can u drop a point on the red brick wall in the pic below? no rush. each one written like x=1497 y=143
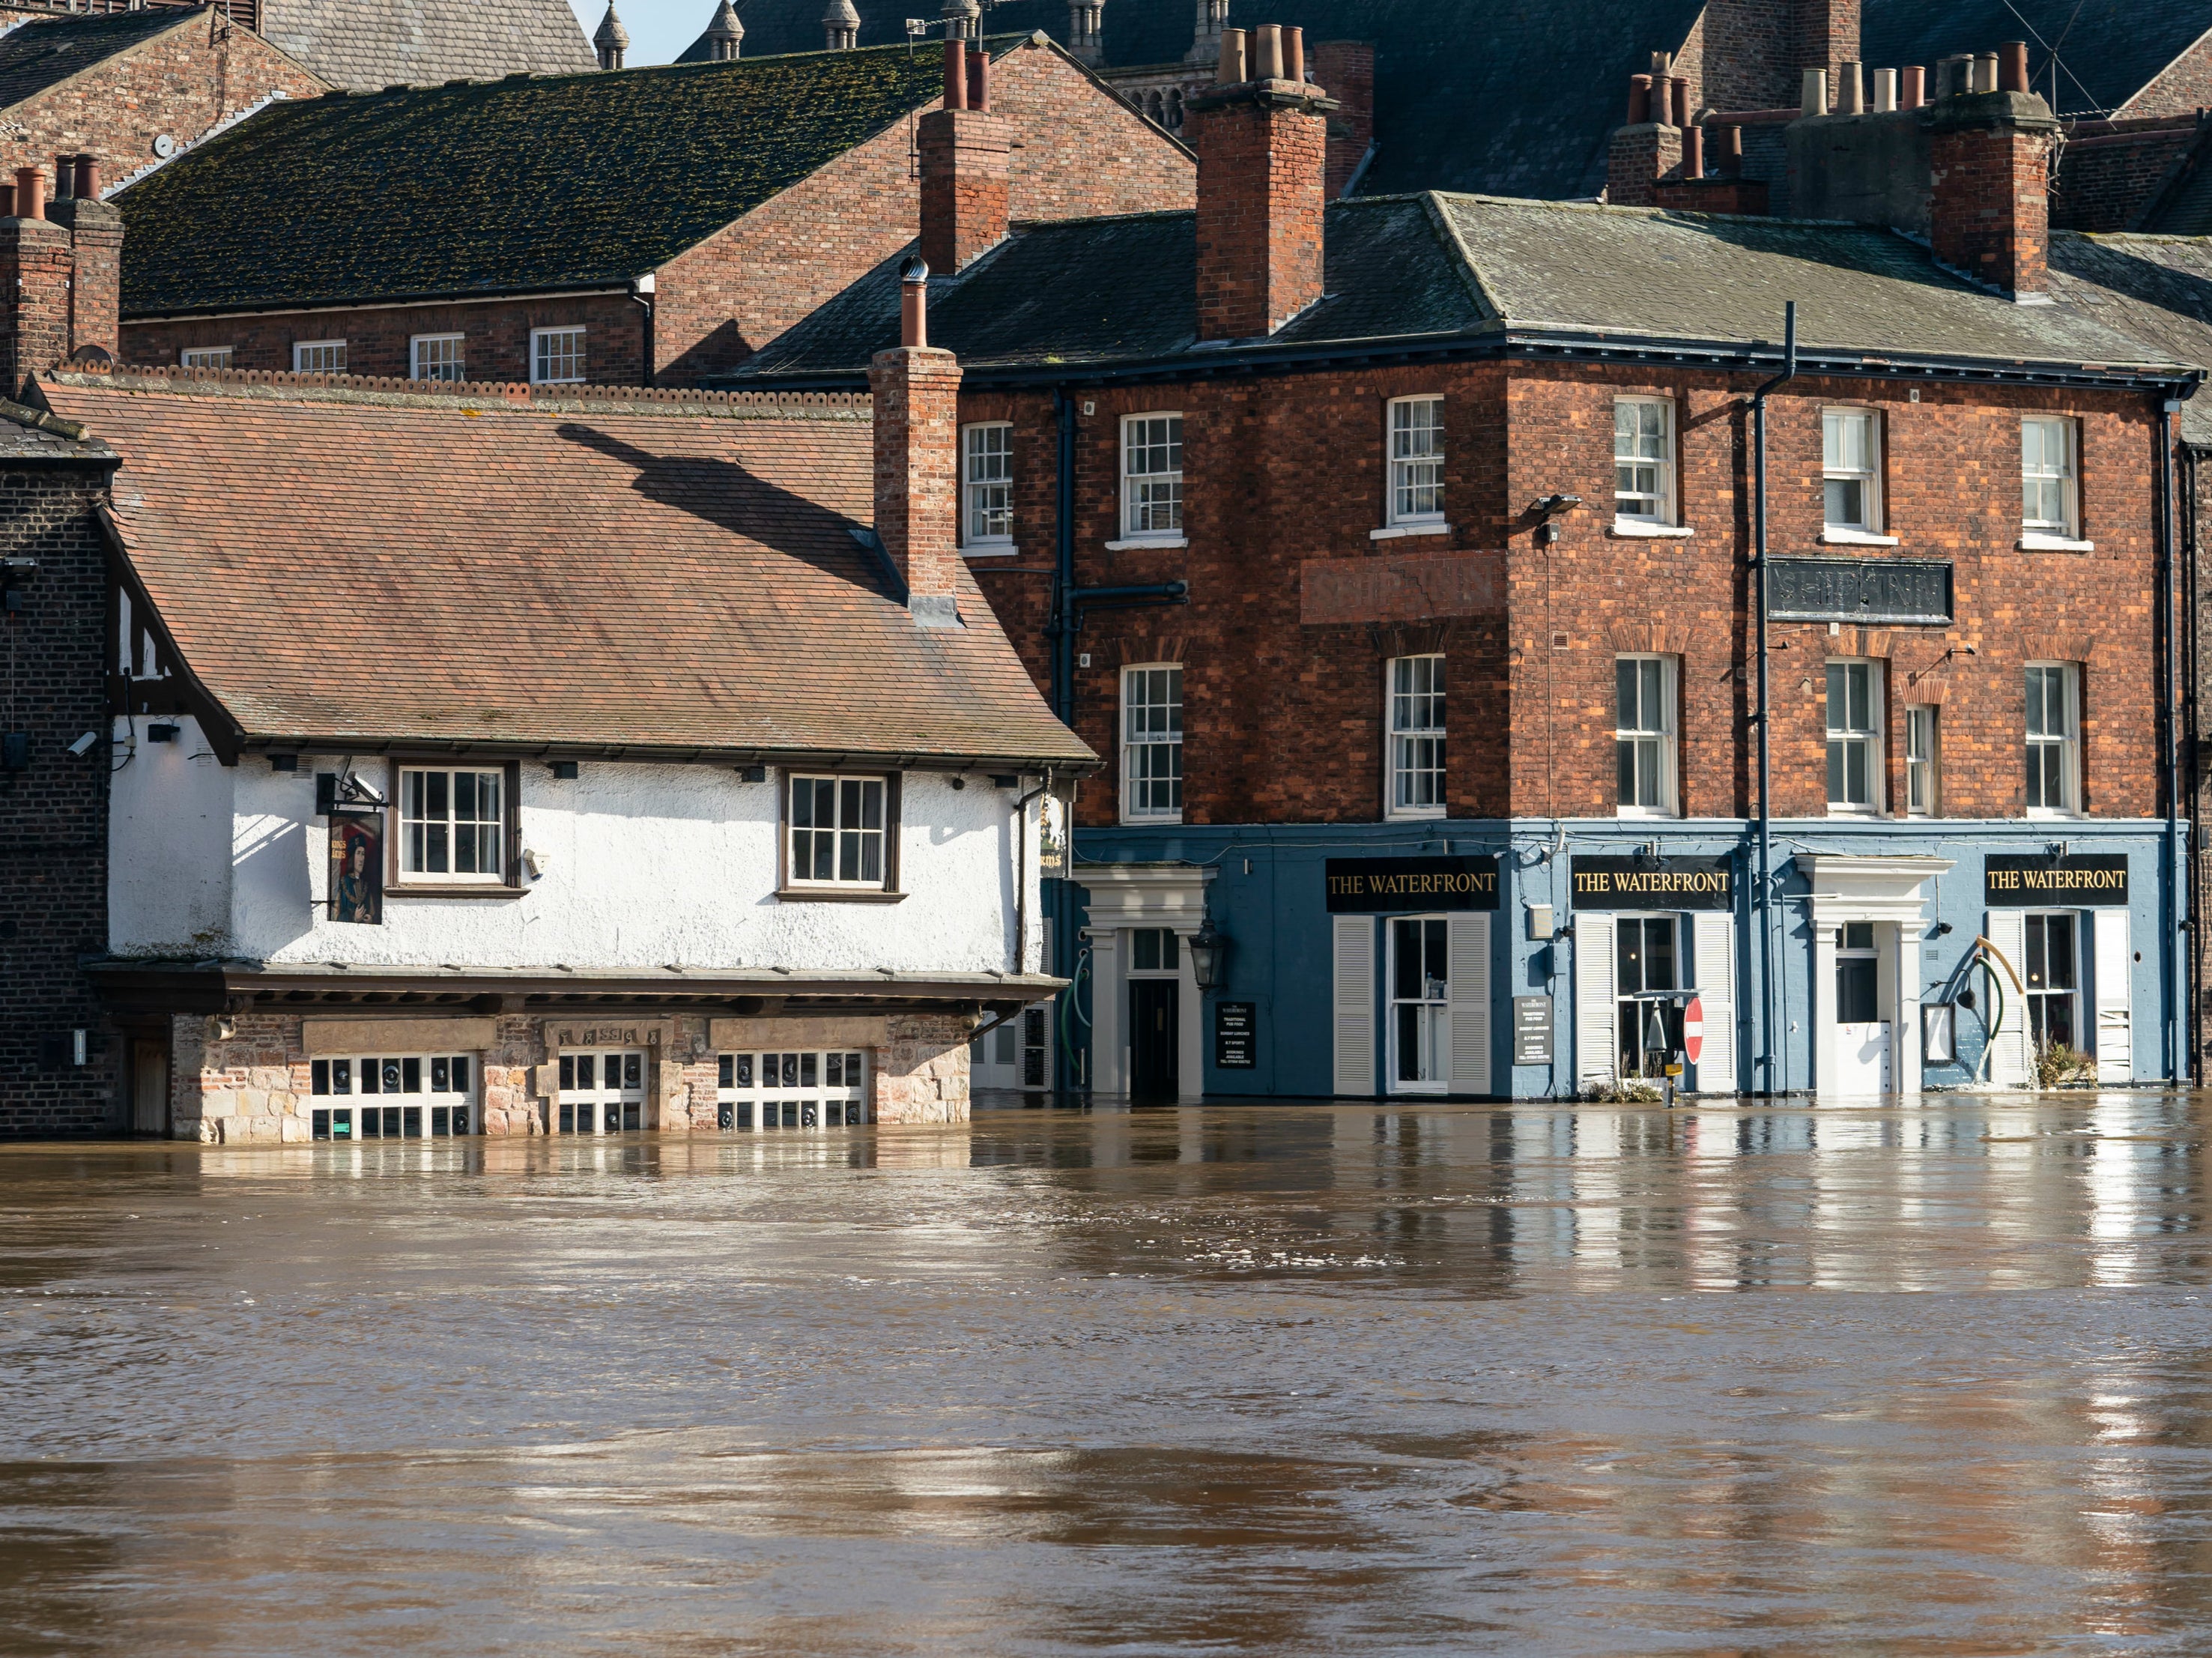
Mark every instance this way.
x=179 y=83
x=915 y=391
x=1284 y=720
x=1344 y=69
x=2107 y=179
x=963 y=156
x=2182 y=88
x=1989 y=212
x=1750 y=54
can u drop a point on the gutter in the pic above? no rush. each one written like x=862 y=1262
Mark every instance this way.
x=134 y=319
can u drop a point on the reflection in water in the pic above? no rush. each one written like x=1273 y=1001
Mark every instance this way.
x=1232 y=1380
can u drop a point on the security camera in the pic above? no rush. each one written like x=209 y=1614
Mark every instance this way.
x=82 y=746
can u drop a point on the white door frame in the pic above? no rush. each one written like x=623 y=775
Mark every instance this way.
x=1890 y=892
x=1122 y=897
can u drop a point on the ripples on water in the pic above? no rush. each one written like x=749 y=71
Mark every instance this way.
x=1238 y=1379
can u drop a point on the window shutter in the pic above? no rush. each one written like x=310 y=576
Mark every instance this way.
x=1594 y=1043
x=1713 y=956
x=2008 y=930
x=2116 y=1047
x=1355 y=1005
x=1469 y=967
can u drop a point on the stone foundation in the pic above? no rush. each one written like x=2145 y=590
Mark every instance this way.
x=246 y=1080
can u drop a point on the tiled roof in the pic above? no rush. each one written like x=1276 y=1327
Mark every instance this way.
x=599 y=572
x=368 y=44
x=507 y=186
x=1099 y=291
x=44 y=51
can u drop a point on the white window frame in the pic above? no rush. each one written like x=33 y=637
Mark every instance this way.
x=2066 y=741
x=2039 y=991
x=2067 y=525
x=1433 y=1018
x=1415 y=689
x=1141 y=735
x=851 y=836
x=443 y=1085
x=1415 y=452
x=413 y=811
x=539 y=357
x=303 y=349
x=987 y=488
x=1643 y=733
x=1867 y=736
x=422 y=353
x=1836 y=468
x=205 y=356
x=1663 y=494
x=1148 y=497
x=806 y=1089
x=1923 y=760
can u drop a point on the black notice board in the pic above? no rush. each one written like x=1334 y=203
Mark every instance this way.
x=1908 y=590
x=1532 y=1030
x=1233 y=1027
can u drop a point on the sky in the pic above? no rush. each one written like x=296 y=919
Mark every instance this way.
x=659 y=29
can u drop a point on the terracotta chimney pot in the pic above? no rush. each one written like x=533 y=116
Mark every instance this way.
x=30 y=193
x=1912 y=87
x=1639 y=100
x=1231 y=72
x=2012 y=66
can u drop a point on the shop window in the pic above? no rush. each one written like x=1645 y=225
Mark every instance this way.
x=1643 y=693
x=1152 y=742
x=1647 y=977
x=1416 y=737
x=413 y=1096
x=1854 y=737
x=601 y=1092
x=2054 y=981
x=792 y=1089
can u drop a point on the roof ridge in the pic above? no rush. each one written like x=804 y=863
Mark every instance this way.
x=472 y=397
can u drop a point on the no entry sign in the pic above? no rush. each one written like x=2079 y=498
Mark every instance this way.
x=1693 y=1029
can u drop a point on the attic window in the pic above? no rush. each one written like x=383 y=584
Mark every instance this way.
x=205 y=356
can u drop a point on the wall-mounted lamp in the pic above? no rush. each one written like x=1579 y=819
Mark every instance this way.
x=1548 y=508
x=565 y=770
x=82 y=746
x=1209 y=955
x=162 y=731
x=752 y=774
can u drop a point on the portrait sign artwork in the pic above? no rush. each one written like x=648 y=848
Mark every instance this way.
x=357 y=867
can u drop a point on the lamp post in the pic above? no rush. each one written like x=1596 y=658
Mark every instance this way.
x=1209 y=955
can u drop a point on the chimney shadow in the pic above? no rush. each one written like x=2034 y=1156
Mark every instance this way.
x=724 y=494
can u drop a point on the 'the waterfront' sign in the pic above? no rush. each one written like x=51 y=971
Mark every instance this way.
x=1648 y=883
x=1887 y=590
x=1375 y=886
x=2080 y=881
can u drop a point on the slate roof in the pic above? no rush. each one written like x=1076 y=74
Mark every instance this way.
x=2157 y=289
x=505 y=187
x=1102 y=291
x=2107 y=51
x=367 y=44
x=349 y=566
x=45 y=52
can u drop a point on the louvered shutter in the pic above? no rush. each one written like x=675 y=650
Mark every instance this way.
x=2115 y=968
x=1714 y=956
x=2008 y=930
x=1470 y=966
x=1354 y=1002
x=1595 y=1045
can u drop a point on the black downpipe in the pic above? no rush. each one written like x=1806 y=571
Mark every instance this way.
x=644 y=301
x=2191 y=749
x=1763 y=901
x=1061 y=624
x=2169 y=695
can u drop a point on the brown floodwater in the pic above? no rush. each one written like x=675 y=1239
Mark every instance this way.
x=1924 y=1379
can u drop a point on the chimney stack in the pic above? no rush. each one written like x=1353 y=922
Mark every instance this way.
x=1263 y=154
x=964 y=149
x=1650 y=147
x=1988 y=207
x=60 y=276
x=915 y=389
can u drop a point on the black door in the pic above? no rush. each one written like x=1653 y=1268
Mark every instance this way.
x=1152 y=1038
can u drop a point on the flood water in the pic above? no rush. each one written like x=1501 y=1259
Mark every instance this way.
x=1934 y=1378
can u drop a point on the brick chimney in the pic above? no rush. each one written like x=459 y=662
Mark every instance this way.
x=1989 y=208
x=60 y=276
x=1646 y=147
x=1346 y=67
x=916 y=392
x=964 y=149
x=1261 y=137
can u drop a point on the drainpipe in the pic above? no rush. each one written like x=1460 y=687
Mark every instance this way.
x=2191 y=739
x=2169 y=697
x=640 y=290
x=1763 y=901
x=1061 y=637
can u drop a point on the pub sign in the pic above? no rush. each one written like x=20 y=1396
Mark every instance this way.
x=2081 y=880
x=1654 y=883
x=1889 y=591
x=1379 y=885
x=357 y=866
x=1233 y=1026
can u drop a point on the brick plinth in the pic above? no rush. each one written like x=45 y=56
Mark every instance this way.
x=963 y=185
x=1990 y=202
x=1262 y=154
x=916 y=391
x=1636 y=159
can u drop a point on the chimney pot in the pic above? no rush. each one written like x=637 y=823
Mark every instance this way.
x=913 y=300
x=1294 y=52
x=2012 y=66
x=979 y=79
x=1693 y=151
x=1884 y=90
x=1731 y=156
x=1267 y=52
x=1815 y=97
x=30 y=193
x=64 y=176
x=1912 y=87
x=1231 y=72
x=956 y=73
x=1985 y=72
x=1639 y=100
x=1678 y=98
x=1850 y=89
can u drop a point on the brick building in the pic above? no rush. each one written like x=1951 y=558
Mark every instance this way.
x=1402 y=553
x=456 y=860
x=598 y=228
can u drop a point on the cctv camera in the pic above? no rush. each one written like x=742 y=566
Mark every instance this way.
x=82 y=746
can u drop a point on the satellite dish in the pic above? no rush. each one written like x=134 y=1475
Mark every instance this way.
x=164 y=146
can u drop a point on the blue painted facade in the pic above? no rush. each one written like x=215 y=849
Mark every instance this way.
x=1266 y=894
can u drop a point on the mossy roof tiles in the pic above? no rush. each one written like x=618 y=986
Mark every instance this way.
x=502 y=187
x=45 y=52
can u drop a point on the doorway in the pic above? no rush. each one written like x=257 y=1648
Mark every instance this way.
x=1863 y=1035
x=149 y=1087
x=1154 y=1036
x=1420 y=1005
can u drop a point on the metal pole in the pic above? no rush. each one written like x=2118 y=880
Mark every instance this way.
x=1763 y=900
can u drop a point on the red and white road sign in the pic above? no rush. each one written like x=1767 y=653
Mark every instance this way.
x=1693 y=1029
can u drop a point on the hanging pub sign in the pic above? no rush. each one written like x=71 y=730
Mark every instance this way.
x=1654 y=883
x=1378 y=885
x=2080 y=881
x=1887 y=590
x=357 y=866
